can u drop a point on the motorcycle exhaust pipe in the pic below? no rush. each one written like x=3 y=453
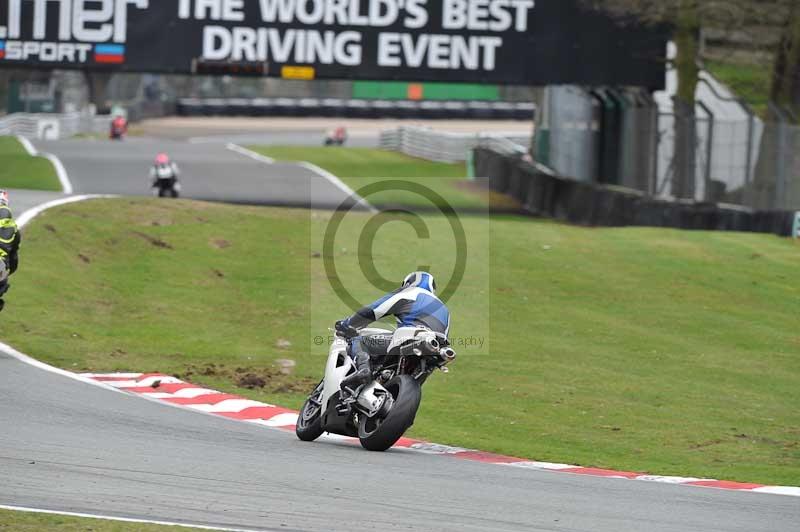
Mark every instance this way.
x=430 y=346
x=448 y=354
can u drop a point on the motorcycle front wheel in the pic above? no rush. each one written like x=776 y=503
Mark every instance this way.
x=309 y=421
x=380 y=433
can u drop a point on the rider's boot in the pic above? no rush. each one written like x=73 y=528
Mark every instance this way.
x=360 y=377
x=4 y=286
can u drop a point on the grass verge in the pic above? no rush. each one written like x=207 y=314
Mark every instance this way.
x=20 y=170
x=361 y=167
x=12 y=521
x=639 y=349
x=750 y=81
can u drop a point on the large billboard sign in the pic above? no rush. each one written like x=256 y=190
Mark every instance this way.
x=526 y=42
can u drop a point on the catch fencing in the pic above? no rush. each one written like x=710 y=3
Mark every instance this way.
x=715 y=154
x=747 y=162
x=776 y=175
x=450 y=147
x=53 y=126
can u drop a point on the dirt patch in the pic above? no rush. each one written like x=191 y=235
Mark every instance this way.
x=218 y=274
x=157 y=242
x=705 y=444
x=50 y=228
x=219 y=243
x=84 y=258
x=270 y=379
x=251 y=381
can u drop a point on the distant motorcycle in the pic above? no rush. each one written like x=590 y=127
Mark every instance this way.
x=380 y=412
x=164 y=175
x=119 y=128
x=336 y=137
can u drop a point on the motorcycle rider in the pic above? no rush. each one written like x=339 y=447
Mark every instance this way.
x=414 y=305
x=10 y=238
x=164 y=169
x=119 y=127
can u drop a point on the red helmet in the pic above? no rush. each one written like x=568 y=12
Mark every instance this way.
x=162 y=158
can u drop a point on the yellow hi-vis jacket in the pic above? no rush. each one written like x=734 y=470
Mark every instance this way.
x=10 y=238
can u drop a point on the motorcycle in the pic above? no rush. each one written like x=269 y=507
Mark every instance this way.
x=380 y=412
x=167 y=188
x=165 y=181
x=119 y=128
x=336 y=137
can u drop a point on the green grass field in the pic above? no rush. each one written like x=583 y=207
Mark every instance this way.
x=20 y=170
x=639 y=349
x=361 y=167
x=33 y=522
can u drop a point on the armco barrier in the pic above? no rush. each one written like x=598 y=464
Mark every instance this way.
x=589 y=204
x=434 y=145
x=69 y=124
x=356 y=108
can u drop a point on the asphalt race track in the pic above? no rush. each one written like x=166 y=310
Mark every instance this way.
x=22 y=200
x=77 y=447
x=69 y=446
x=209 y=171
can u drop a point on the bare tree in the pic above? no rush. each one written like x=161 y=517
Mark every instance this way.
x=786 y=74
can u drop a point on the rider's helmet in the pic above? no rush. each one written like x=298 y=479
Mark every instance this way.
x=421 y=280
x=3 y=198
x=162 y=159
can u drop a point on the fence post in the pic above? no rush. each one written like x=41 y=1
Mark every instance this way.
x=748 y=198
x=780 y=170
x=748 y=171
x=656 y=140
x=709 y=150
x=780 y=179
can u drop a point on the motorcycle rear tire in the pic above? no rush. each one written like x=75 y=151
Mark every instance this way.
x=380 y=434
x=309 y=429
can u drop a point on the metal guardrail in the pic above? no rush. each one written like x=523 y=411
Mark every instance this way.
x=47 y=125
x=450 y=147
x=357 y=108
